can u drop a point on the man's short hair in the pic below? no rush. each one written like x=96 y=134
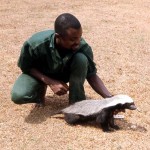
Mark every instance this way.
x=64 y=22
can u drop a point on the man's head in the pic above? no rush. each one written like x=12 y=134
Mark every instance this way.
x=68 y=31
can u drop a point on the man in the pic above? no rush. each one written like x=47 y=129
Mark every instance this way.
x=53 y=58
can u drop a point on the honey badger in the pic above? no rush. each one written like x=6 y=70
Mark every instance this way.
x=100 y=110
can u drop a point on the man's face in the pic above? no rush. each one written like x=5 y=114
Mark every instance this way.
x=71 y=40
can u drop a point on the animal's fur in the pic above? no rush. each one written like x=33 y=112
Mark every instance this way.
x=100 y=110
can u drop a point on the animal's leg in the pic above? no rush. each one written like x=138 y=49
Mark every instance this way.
x=71 y=118
x=112 y=123
x=102 y=119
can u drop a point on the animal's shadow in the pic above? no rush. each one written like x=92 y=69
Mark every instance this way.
x=124 y=125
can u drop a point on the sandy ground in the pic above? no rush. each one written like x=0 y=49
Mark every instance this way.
x=119 y=33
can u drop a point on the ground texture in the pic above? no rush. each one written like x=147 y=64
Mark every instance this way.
x=119 y=33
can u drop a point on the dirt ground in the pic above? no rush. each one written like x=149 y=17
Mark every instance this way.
x=119 y=33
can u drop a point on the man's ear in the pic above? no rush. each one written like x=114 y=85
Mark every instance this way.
x=57 y=35
x=58 y=38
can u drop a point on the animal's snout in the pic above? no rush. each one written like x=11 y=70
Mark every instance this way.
x=132 y=107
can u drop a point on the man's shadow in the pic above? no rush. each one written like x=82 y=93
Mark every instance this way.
x=53 y=105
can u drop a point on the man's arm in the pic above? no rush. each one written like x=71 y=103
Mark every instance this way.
x=58 y=87
x=98 y=86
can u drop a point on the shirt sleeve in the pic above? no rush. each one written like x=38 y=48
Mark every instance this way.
x=26 y=59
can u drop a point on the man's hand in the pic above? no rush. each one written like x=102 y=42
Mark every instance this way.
x=59 y=88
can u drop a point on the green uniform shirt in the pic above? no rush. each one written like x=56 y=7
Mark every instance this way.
x=39 y=52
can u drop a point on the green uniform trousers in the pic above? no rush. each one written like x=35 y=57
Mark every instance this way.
x=27 y=89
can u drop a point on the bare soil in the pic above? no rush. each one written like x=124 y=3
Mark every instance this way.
x=119 y=33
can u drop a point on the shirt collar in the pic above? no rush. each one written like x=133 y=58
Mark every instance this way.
x=52 y=41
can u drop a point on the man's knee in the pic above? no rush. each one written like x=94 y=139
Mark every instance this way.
x=80 y=60
x=17 y=98
x=24 y=98
x=26 y=89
